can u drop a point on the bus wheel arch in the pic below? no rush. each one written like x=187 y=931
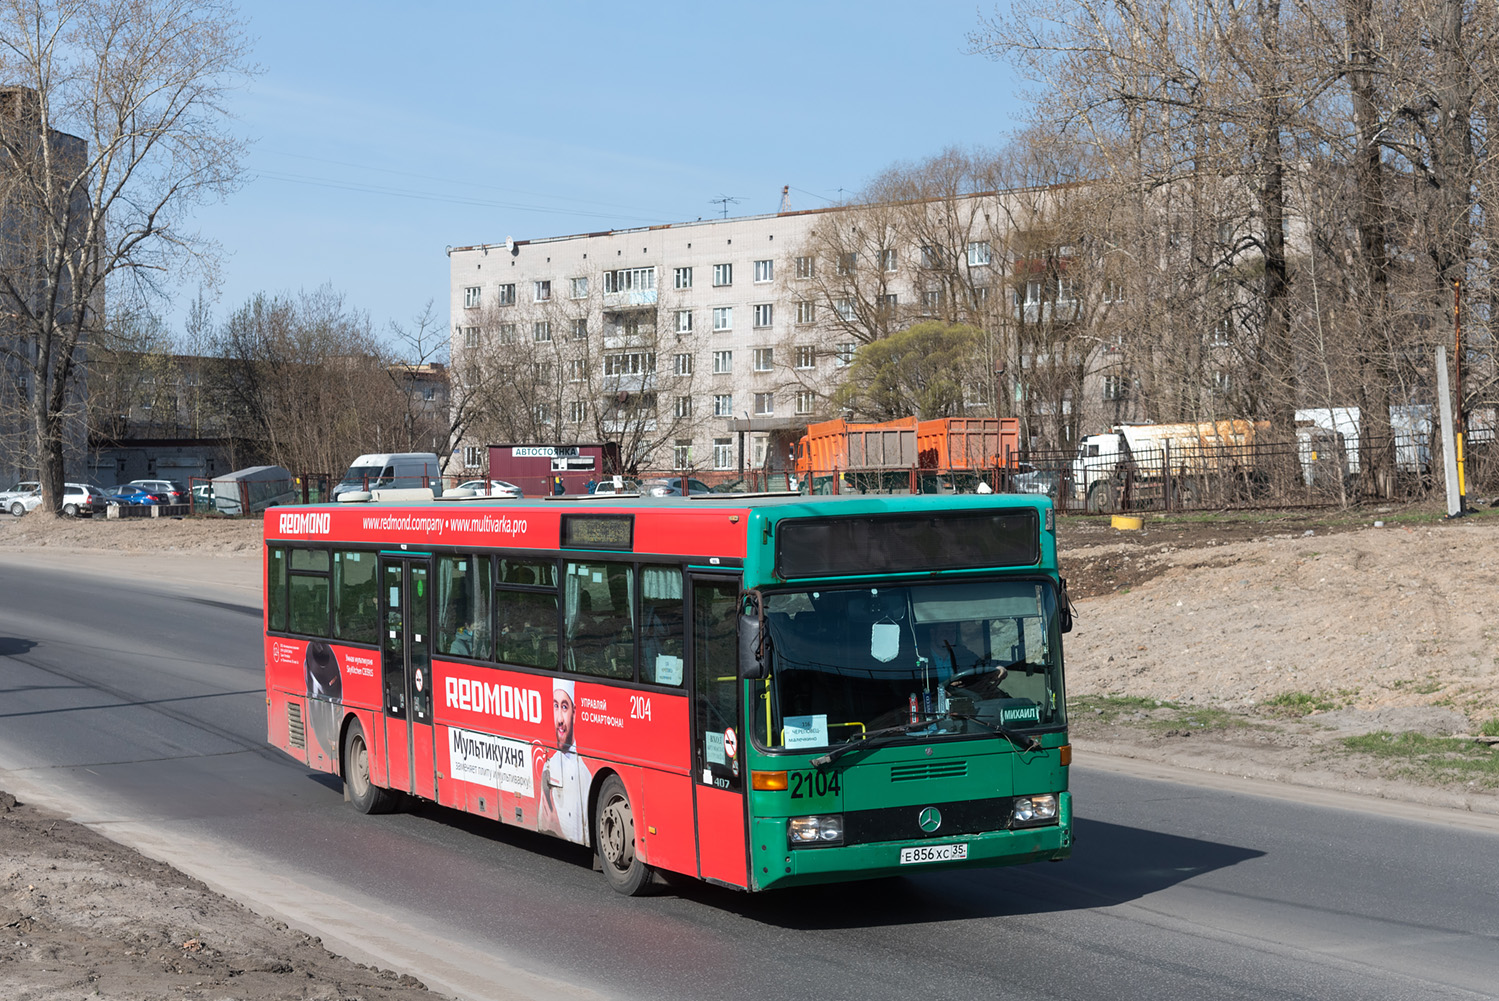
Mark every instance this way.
x=614 y=840
x=353 y=766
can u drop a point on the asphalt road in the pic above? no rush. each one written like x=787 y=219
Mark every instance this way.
x=134 y=700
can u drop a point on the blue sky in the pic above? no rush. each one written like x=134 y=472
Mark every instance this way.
x=383 y=135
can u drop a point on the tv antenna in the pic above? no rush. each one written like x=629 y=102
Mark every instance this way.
x=724 y=200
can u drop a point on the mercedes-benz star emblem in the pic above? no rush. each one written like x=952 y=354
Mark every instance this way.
x=930 y=819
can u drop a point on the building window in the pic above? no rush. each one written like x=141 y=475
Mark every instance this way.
x=845 y=309
x=723 y=274
x=843 y=354
x=978 y=254
x=934 y=301
x=580 y=328
x=473 y=456
x=806 y=356
x=980 y=295
x=630 y=363
x=1066 y=290
x=507 y=295
x=507 y=333
x=765 y=404
x=765 y=270
x=542 y=370
x=681 y=364
x=847 y=263
x=1113 y=387
x=889 y=260
x=543 y=413
x=580 y=288
x=541 y=291
x=762 y=315
x=1222 y=382
x=764 y=359
x=577 y=370
x=681 y=278
x=683 y=407
x=577 y=411
x=723 y=453
x=684 y=321
x=889 y=301
x=723 y=362
x=1113 y=292
x=804 y=267
x=470 y=337
x=630 y=280
x=541 y=330
x=723 y=317
x=681 y=454
x=805 y=401
x=805 y=311
x=723 y=405
x=471 y=297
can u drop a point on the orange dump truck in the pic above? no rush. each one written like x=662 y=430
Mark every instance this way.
x=886 y=454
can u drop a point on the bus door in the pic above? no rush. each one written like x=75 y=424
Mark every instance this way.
x=406 y=666
x=718 y=730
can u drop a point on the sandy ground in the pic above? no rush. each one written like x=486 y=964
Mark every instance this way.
x=1247 y=647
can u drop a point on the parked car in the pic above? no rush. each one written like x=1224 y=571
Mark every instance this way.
x=492 y=488
x=174 y=492
x=1031 y=480
x=78 y=500
x=671 y=486
x=17 y=490
x=615 y=485
x=131 y=494
x=203 y=495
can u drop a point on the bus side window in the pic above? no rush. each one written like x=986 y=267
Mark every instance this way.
x=356 y=617
x=525 y=613
x=598 y=619
x=309 y=591
x=463 y=606
x=663 y=626
x=276 y=589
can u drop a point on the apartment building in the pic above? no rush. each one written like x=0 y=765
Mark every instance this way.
x=702 y=345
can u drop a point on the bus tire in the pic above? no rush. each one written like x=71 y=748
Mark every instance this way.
x=362 y=792
x=614 y=840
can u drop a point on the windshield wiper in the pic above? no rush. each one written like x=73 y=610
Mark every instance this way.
x=876 y=735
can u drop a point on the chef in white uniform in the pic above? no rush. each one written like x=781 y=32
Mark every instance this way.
x=564 y=790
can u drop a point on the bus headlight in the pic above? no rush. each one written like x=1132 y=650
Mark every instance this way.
x=1034 y=809
x=820 y=830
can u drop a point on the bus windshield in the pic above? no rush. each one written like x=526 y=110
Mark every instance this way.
x=949 y=657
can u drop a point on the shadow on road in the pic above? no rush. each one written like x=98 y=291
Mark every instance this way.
x=1111 y=865
x=14 y=646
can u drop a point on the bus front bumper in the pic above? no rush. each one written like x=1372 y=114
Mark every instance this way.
x=775 y=865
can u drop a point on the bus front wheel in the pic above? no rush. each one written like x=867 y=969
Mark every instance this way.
x=363 y=793
x=614 y=839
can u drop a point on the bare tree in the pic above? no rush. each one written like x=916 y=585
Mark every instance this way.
x=113 y=126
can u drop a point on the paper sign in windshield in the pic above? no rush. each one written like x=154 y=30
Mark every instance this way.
x=491 y=761
x=806 y=731
x=668 y=669
x=713 y=748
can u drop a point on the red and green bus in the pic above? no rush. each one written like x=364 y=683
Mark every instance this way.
x=756 y=691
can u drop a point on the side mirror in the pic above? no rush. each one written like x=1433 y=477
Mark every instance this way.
x=754 y=659
x=1064 y=607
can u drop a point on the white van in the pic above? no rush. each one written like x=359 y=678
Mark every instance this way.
x=386 y=470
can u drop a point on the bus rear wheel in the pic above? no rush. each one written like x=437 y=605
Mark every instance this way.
x=614 y=840
x=363 y=793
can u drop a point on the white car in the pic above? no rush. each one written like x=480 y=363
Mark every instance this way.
x=492 y=488
x=17 y=491
x=78 y=499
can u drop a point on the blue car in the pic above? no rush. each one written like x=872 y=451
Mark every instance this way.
x=130 y=494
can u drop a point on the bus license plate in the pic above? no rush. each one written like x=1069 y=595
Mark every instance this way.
x=933 y=853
